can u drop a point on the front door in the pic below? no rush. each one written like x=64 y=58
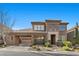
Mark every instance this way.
x=52 y=39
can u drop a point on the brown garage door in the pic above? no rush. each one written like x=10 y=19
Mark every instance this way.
x=26 y=40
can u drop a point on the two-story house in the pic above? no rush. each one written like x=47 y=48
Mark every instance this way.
x=52 y=30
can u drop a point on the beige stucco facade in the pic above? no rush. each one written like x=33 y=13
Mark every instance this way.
x=52 y=30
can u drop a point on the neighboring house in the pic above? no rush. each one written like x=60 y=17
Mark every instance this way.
x=71 y=34
x=52 y=30
x=4 y=29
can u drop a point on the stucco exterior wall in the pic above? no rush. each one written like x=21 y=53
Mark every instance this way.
x=63 y=35
x=51 y=28
x=10 y=40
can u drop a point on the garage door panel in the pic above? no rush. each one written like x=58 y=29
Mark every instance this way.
x=26 y=40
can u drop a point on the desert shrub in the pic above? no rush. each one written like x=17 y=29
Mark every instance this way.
x=47 y=43
x=38 y=49
x=67 y=45
x=44 y=40
x=60 y=43
x=67 y=48
x=3 y=46
x=34 y=46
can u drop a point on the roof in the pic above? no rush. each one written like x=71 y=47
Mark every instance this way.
x=53 y=20
x=38 y=22
x=72 y=29
x=27 y=31
x=24 y=29
x=58 y=21
x=64 y=23
x=5 y=28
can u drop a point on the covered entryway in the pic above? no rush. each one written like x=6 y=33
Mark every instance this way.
x=53 y=38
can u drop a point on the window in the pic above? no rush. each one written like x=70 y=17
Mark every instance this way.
x=38 y=27
x=35 y=27
x=42 y=27
x=52 y=27
x=62 y=37
x=40 y=37
x=62 y=27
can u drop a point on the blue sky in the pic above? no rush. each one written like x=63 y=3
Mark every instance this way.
x=25 y=13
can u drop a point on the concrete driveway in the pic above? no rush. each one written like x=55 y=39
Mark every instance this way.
x=25 y=51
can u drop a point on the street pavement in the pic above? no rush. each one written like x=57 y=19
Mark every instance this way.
x=25 y=51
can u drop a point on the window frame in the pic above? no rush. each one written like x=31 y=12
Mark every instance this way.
x=39 y=27
x=62 y=27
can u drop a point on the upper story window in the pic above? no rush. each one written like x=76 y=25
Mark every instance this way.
x=38 y=27
x=62 y=27
x=52 y=27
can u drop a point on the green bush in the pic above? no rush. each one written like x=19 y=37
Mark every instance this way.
x=38 y=49
x=67 y=48
x=67 y=45
x=3 y=46
x=47 y=44
x=34 y=46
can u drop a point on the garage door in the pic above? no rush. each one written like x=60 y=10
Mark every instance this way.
x=26 y=40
